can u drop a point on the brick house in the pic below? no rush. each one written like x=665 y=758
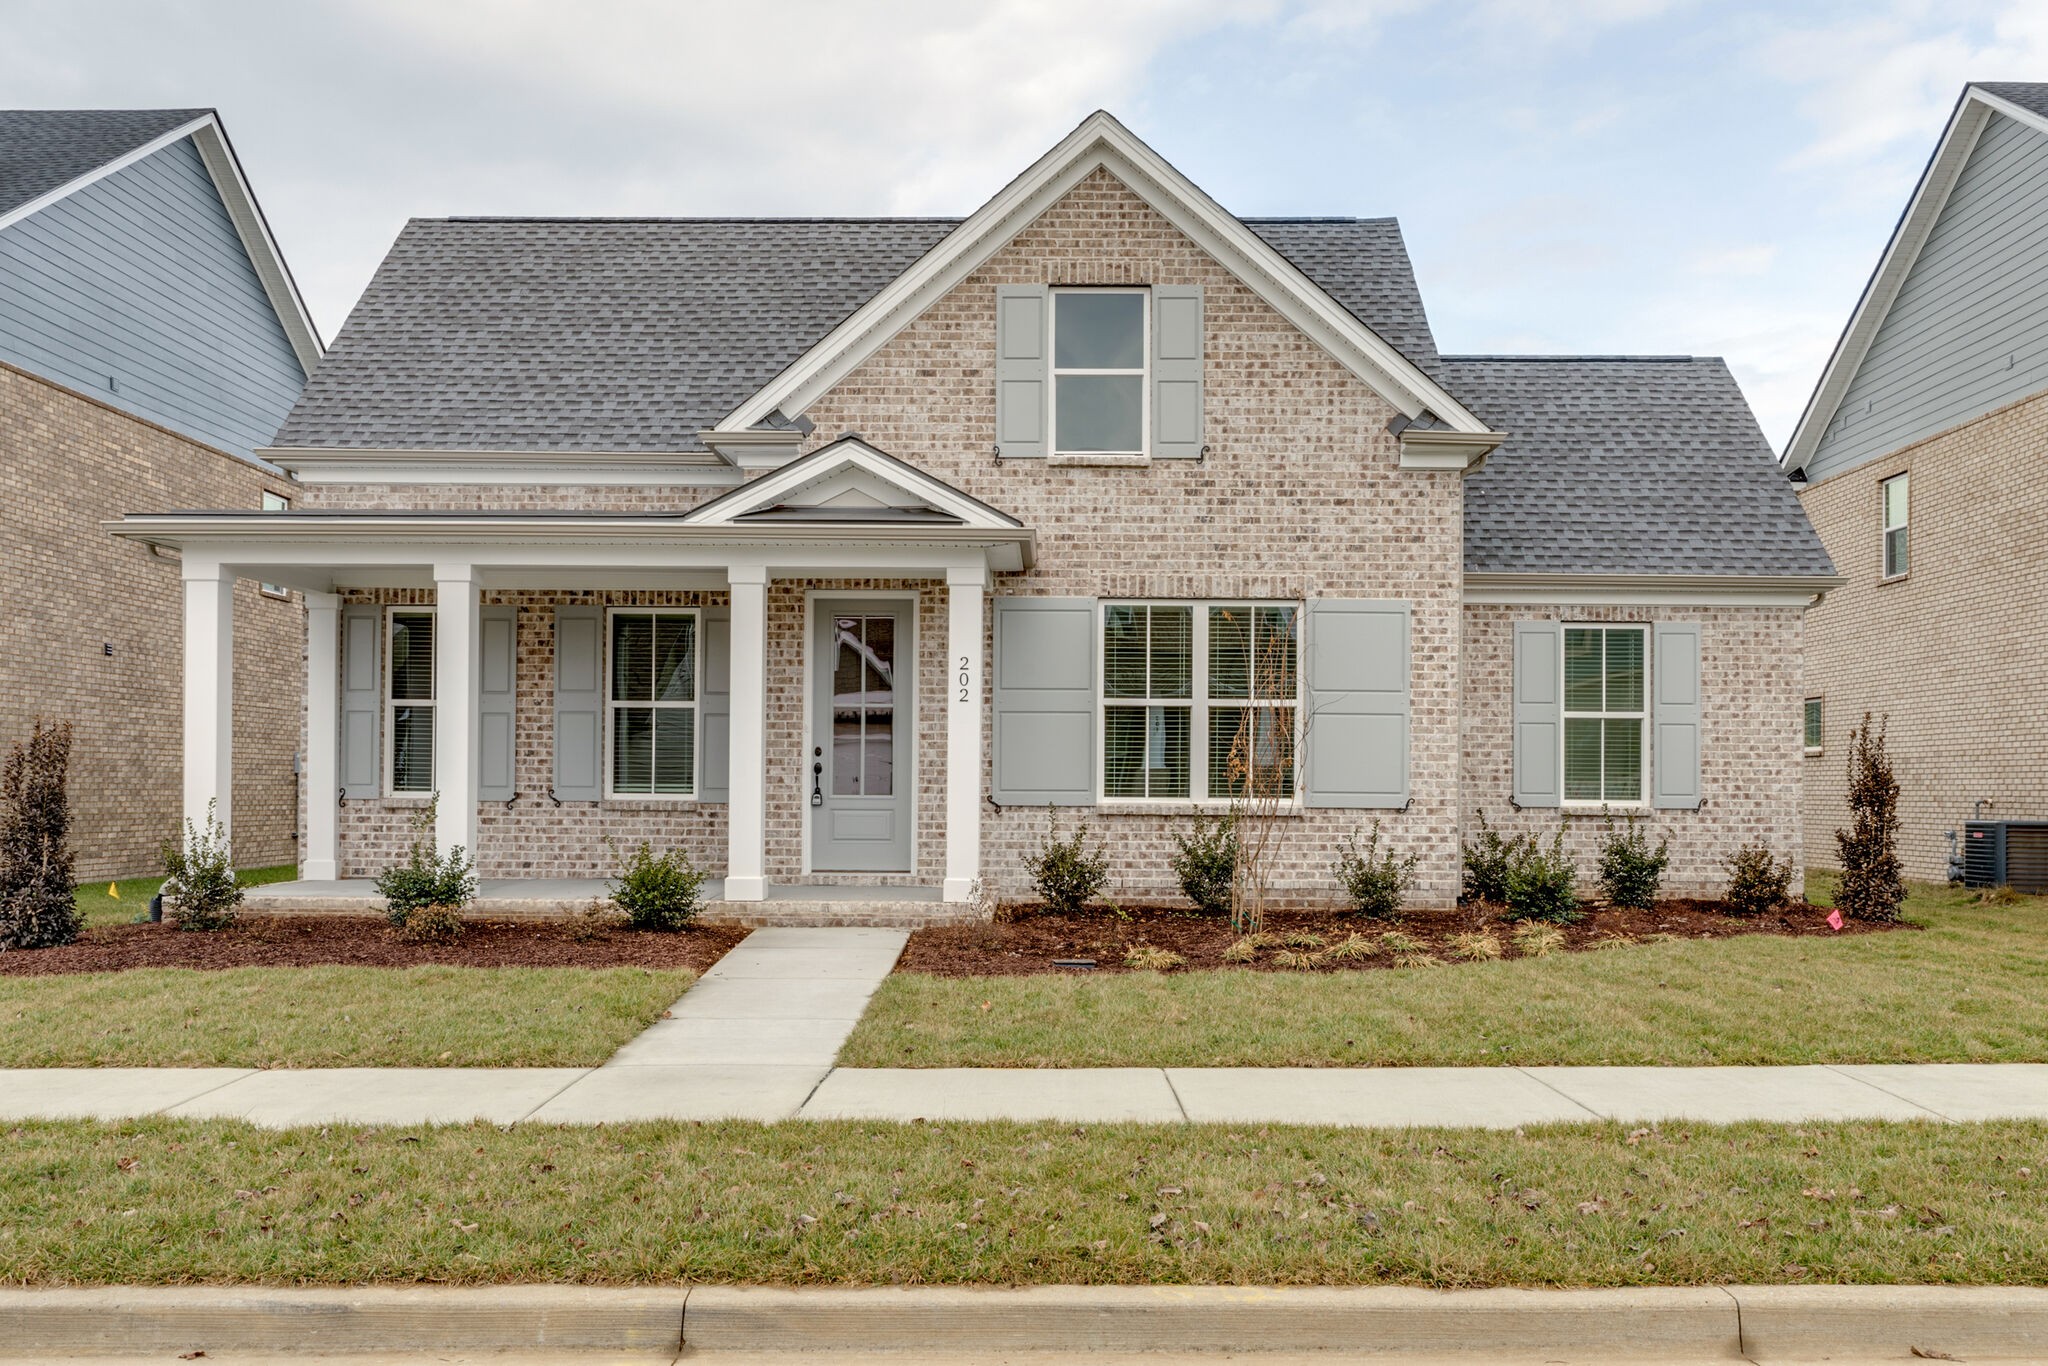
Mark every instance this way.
x=835 y=551
x=1916 y=460
x=150 y=341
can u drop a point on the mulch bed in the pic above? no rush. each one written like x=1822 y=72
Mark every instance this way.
x=1024 y=940
x=298 y=941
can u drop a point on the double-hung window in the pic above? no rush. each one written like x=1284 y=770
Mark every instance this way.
x=1604 y=715
x=409 y=700
x=653 y=703
x=1199 y=701
x=1099 y=346
x=1813 y=725
x=274 y=502
x=1893 y=492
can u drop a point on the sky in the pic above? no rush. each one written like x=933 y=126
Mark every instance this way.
x=1571 y=176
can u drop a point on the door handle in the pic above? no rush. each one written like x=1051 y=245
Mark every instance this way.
x=817 y=783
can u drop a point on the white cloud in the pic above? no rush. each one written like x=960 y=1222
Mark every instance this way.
x=1752 y=260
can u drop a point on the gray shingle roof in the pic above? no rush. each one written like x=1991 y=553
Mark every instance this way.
x=2031 y=96
x=1625 y=465
x=41 y=149
x=634 y=335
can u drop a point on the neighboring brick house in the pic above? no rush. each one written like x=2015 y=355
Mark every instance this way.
x=150 y=341
x=835 y=551
x=1918 y=459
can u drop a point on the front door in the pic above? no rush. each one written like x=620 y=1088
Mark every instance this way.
x=860 y=767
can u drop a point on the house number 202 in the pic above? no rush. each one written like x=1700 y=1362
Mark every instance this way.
x=966 y=679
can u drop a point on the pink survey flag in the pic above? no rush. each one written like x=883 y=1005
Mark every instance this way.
x=1834 y=920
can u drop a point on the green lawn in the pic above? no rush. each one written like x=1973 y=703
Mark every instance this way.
x=101 y=909
x=330 y=1016
x=1967 y=988
x=164 y=1201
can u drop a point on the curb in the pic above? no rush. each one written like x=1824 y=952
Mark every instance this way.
x=1692 y=1323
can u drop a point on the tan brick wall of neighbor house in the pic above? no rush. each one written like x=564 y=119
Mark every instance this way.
x=1750 y=765
x=1955 y=654
x=68 y=590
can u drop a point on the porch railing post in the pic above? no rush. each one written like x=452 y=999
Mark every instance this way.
x=964 y=635
x=746 y=809
x=318 y=855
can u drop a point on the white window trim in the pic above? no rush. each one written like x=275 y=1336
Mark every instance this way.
x=1886 y=526
x=1565 y=715
x=696 y=704
x=1198 y=703
x=391 y=704
x=1054 y=371
x=273 y=501
x=1820 y=702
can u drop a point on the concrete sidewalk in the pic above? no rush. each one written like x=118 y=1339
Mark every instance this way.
x=1481 y=1097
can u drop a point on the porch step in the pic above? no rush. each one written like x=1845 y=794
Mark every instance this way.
x=906 y=908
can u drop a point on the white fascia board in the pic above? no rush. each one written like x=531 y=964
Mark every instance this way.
x=1644 y=590
x=226 y=169
x=1101 y=142
x=1910 y=235
x=850 y=453
x=367 y=466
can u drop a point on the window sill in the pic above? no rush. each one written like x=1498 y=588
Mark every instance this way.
x=1098 y=459
x=631 y=803
x=1125 y=807
x=1605 y=809
x=1894 y=578
x=1813 y=751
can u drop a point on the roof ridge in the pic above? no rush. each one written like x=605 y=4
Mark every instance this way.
x=815 y=218
x=1610 y=357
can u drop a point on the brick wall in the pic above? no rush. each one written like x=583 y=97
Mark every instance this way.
x=1750 y=766
x=1953 y=653
x=68 y=590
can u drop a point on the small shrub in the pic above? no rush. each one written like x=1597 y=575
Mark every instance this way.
x=1756 y=882
x=1350 y=949
x=1241 y=951
x=1630 y=871
x=1541 y=884
x=1295 y=960
x=1536 y=939
x=595 y=921
x=1871 y=887
x=1066 y=873
x=426 y=885
x=1488 y=860
x=1475 y=946
x=657 y=892
x=1207 y=861
x=200 y=891
x=37 y=907
x=1375 y=883
x=1153 y=958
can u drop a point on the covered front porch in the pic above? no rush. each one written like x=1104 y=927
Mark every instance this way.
x=786 y=683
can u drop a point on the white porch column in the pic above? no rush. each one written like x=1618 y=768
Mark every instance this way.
x=964 y=634
x=457 y=655
x=209 y=691
x=747 y=795
x=322 y=777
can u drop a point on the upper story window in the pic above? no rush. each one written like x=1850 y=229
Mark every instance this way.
x=1099 y=345
x=1604 y=715
x=409 y=700
x=1813 y=725
x=274 y=502
x=1893 y=493
x=653 y=703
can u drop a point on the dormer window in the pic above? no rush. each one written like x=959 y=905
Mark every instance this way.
x=1099 y=346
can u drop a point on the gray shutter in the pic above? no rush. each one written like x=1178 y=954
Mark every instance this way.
x=498 y=670
x=1177 y=372
x=1045 y=752
x=579 y=704
x=1358 y=669
x=1538 y=713
x=1022 y=336
x=362 y=701
x=1675 y=716
x=714 y=703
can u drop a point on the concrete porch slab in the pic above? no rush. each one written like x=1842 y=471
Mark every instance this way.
x=1095 y=1095
x=382 y=1095
x=549 y=898
x=106 y=1092
x=1961 y=1090
x=1724 y=1095
x=625 y=1095
x=1369 y=1097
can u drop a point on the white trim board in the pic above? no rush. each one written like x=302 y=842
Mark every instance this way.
x=1100 y=142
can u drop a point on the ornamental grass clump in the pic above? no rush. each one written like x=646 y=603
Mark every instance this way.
x=1871 y=887
x=1153 y=958
x=1535 y=939
x=1352 y=948
x=1631 y=871
x=1475 y=946
x=1241 y=951
x=1066 y=873
x=657 y=892
x=37 y=908
x=199 y=890
x=1757 y=883
x=1206 y=861
x=1375 y=882
x=425 y=895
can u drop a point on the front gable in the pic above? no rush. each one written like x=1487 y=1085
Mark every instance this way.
x=850 y=483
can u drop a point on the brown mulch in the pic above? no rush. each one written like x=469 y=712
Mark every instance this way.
x=297 y=941
x=1025 y=940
